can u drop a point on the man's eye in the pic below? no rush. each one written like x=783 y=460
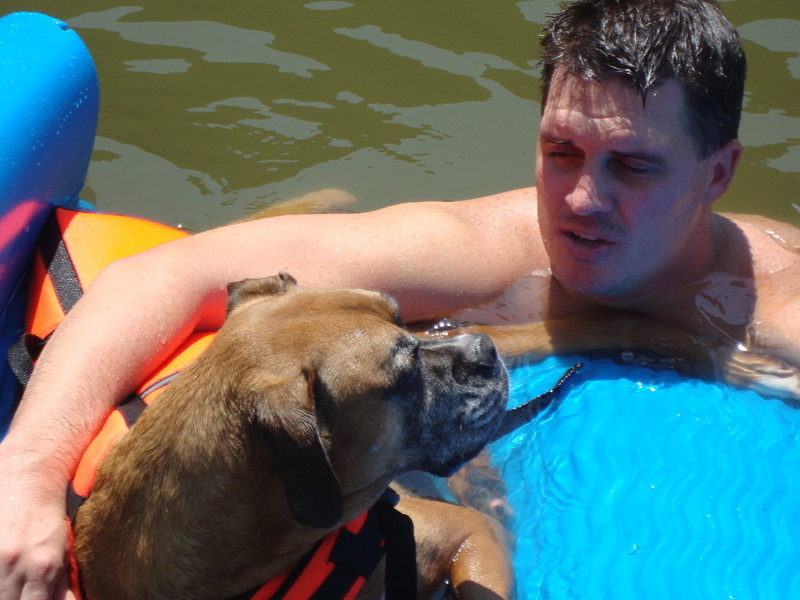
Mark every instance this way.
x=634 y=168
x=563 y=158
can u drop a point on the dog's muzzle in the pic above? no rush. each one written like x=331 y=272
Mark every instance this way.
x=464 y=396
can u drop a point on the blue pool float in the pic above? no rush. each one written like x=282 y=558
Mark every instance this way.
x=637 y=484
x=644 y=484
x=48 y=116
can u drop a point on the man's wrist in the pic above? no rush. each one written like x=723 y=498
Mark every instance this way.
x=35 y=471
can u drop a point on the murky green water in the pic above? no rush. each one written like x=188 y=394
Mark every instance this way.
x=211 y=110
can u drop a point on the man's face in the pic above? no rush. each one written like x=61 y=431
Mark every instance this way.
x=623 y=195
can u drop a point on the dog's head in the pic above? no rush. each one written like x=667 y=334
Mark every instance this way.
x=347 y=399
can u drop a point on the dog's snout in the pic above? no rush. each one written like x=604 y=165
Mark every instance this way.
x=476 y=356
x=482 y=351
x=473 y=351
x=467 y=391
x=477 y=350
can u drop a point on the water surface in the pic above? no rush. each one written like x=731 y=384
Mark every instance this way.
x=213 y=110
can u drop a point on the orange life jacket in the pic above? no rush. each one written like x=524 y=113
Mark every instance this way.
x=73 y=248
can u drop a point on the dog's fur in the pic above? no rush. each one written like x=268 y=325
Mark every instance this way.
x=301 y=412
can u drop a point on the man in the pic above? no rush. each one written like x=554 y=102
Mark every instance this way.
x=638 y=138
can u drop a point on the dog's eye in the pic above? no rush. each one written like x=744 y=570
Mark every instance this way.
x=406 y=361
x=324 y=408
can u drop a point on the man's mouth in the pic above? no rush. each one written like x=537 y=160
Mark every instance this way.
x=587 y=240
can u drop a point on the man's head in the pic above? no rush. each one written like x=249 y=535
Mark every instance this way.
x=645 y=43
x=638 y=138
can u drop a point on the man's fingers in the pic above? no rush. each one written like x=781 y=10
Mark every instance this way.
x=63 y=590
x=33 y=562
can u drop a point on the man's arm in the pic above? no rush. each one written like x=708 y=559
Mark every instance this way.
x=434 y=257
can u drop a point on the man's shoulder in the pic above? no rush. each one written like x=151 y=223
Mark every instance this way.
x=772 y=245
x=774 y=248
x=766 y=225
x=773 y=252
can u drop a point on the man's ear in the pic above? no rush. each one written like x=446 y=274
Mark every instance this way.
x=722 y=165
x=312 y=489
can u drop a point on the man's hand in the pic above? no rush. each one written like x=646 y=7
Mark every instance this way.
x=768 y=375
x=33 y=536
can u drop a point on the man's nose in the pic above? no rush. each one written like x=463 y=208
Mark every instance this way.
x=589 y=195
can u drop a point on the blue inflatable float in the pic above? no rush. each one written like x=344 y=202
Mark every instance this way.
x=48 y=116
x=645 y=484
x=639 y=484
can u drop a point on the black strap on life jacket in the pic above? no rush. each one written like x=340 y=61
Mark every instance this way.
x=401 y=549
x=386 y=532
x=22 y=355
x=354 y=556
x=58 y=262
x=52 y=249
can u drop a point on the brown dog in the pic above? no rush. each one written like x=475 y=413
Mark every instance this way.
x=294 y=421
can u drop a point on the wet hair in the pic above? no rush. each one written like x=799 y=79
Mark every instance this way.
x=649 y=42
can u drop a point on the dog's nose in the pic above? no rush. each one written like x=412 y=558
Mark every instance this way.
x=477 y=356
x=481 y=351
x=470 y=354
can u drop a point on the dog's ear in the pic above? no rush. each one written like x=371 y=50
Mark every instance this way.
x=312 y=488
x=239 y=291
